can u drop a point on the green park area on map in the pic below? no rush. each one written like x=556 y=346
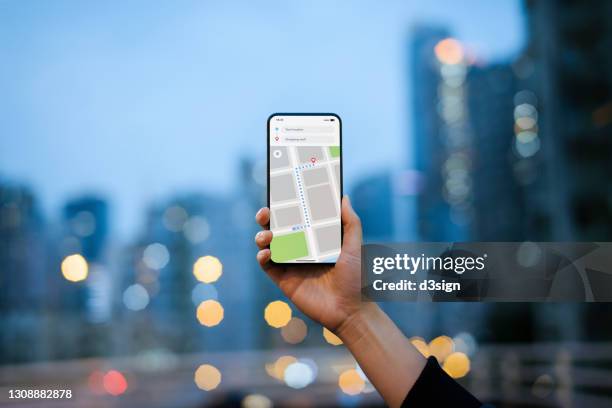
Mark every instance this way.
x=334 y=151
x=289 y=247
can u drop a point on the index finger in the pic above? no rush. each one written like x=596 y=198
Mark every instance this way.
x=263 y=217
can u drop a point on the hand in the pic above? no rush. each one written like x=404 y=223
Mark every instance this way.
x=326 y=294
x=331 y=295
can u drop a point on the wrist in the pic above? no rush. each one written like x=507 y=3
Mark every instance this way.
x=355 y=325
x=381 y=348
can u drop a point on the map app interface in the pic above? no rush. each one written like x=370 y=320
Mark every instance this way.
x=305 y=188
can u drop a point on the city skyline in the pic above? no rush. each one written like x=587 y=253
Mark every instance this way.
x=138 y=117
x=133 y=161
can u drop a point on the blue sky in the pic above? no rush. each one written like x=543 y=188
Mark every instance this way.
x=141 y=100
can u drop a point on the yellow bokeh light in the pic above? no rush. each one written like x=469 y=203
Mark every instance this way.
x=457 y=365
x=207 y=269
x=350 y=382
x=449 y=51
x=277 y=369
x=74 y=268
x=207 y=377
x=295 y=331
x=210 y=313
x=331 y=338
x=420 y=345
x=277 y=314
x=441 y=347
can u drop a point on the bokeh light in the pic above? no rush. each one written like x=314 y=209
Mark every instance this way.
x=156 y=256
x=74 y=268
x=525 y=96
x=156 y=359
x=298 y=375
x=256 y=401
x=174 y=218
x=529 y=254
x=441 y=347
x=277 y=314
x=115 y=383
x=311 y=363
x=368 y=388
x=350 y=382
x=331 y=338
x=295 y=331
x=207 y=377
x=135 y=297
x=465 y=343
x=525 y=110
x=527 y=149
x=277 y=369
x=543 y=386
x=420 y=344
x=207 y=269
x=196 y=229
x=526 y=123
x=203 y=291
x=449 y=51
x=457 y=364
x=526 y=137
x=527 y=142
x=210 y=313
x=83 y=224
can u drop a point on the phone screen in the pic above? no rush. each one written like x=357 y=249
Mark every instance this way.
x=305 y=187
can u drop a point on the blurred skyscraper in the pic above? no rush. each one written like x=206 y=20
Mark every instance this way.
x=87 y=304
x=23 y=262
x=464 y=134
x=569 y=65
x=442 y=139
x=498 y=204
x=87 y=222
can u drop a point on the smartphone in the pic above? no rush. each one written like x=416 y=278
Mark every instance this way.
x=305 y=187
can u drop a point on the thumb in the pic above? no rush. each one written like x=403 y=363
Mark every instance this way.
x=352 y=228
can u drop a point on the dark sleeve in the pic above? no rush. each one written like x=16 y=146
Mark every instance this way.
x=435 y=388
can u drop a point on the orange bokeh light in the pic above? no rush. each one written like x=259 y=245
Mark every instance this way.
x=441 y=347
x=350 y=382
x=449 y=51
x=457 y=365
x=210 y=313
x=331 y=338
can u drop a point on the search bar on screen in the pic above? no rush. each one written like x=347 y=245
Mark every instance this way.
x=308 y=129
x=309 y=138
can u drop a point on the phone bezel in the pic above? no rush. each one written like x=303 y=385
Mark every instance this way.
x=268 y=177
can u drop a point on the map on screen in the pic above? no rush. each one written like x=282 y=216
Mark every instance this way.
x=305 y=189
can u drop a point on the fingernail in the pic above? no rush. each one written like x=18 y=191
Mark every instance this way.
x=258 y=235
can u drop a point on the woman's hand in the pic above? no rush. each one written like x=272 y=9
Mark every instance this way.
x=331 y=296
x=326 y=294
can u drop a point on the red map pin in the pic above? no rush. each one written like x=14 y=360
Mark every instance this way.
x=276 y=138
x=313 y=160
